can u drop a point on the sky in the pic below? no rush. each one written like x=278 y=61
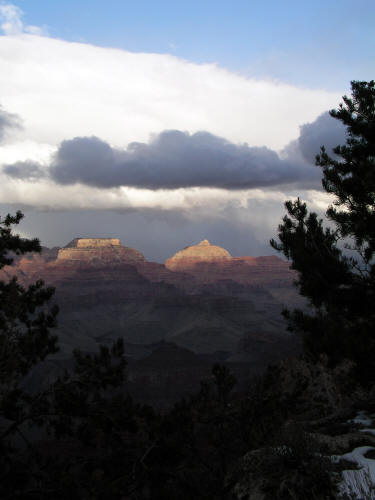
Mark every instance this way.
x=165 y=123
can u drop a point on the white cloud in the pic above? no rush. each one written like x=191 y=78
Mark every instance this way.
x=16 y=150
x=11 y=17
x=63 y=89
x=36 y=30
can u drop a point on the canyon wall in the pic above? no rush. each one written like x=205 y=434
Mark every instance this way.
x=108 y=250
x=188 y=257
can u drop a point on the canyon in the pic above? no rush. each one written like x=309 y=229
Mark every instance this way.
x=176 y=319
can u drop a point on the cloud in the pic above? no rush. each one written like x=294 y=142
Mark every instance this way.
x=110 y=101
x=174 y=159
x=11 y=17
x=160 y=222
x=324 y=131
x=171 y=160
x=243 y=223
x=8 y=121
x=64 y=89
x=26 y=170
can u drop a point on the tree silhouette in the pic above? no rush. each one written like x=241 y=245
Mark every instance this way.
x=335 y=264
x=25 y=340
x=79 y=437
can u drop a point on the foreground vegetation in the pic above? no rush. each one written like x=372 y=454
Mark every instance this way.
x=83 y=437
x=340 y=286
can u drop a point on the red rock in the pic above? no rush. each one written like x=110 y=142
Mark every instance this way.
x=108 y=259
x=203 y=252
x=108 y=250
x=210 y=263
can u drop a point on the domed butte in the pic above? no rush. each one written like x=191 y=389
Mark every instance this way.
x=203 y=252
x=106 y=250
x=205 y=243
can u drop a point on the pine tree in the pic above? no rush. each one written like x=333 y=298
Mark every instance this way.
x=87 y=407
x=25 y=340
x=25 y=320
x=336 y=263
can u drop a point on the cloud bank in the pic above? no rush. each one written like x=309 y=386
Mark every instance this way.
x=64 y=89
x=175 y=159
x=324 y=131
x=242 y=224
x=8 y=121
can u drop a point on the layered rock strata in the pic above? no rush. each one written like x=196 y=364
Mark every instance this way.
x=106 y=250
x=188 y=257
x=203 y=299
x=210 y=263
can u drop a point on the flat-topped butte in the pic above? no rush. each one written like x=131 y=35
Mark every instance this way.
x=99 y=249
x=93 y=242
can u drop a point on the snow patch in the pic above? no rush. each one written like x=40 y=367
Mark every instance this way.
x=359 y=484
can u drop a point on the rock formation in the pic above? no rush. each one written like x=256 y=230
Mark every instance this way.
x=190 y=256
x=222 y=308
x=105 y=250
x=208 y=263
x=202 y=299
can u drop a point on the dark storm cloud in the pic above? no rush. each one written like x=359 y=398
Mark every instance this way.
x=324 y=131
x=7 y=122
x=26 y=170
x=173 y=159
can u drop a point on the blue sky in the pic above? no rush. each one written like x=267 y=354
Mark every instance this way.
x=166 y=123
x=312 y=43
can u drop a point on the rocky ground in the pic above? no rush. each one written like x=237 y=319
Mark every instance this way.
x=325 y=449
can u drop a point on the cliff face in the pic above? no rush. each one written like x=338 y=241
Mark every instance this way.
x=202 y=299
x=208 y=263
x=220 y=307
x=108 y=250
x=192 y=267
x=203 y=252
x=93 y=243
x=270 y=271
x=191 y=270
